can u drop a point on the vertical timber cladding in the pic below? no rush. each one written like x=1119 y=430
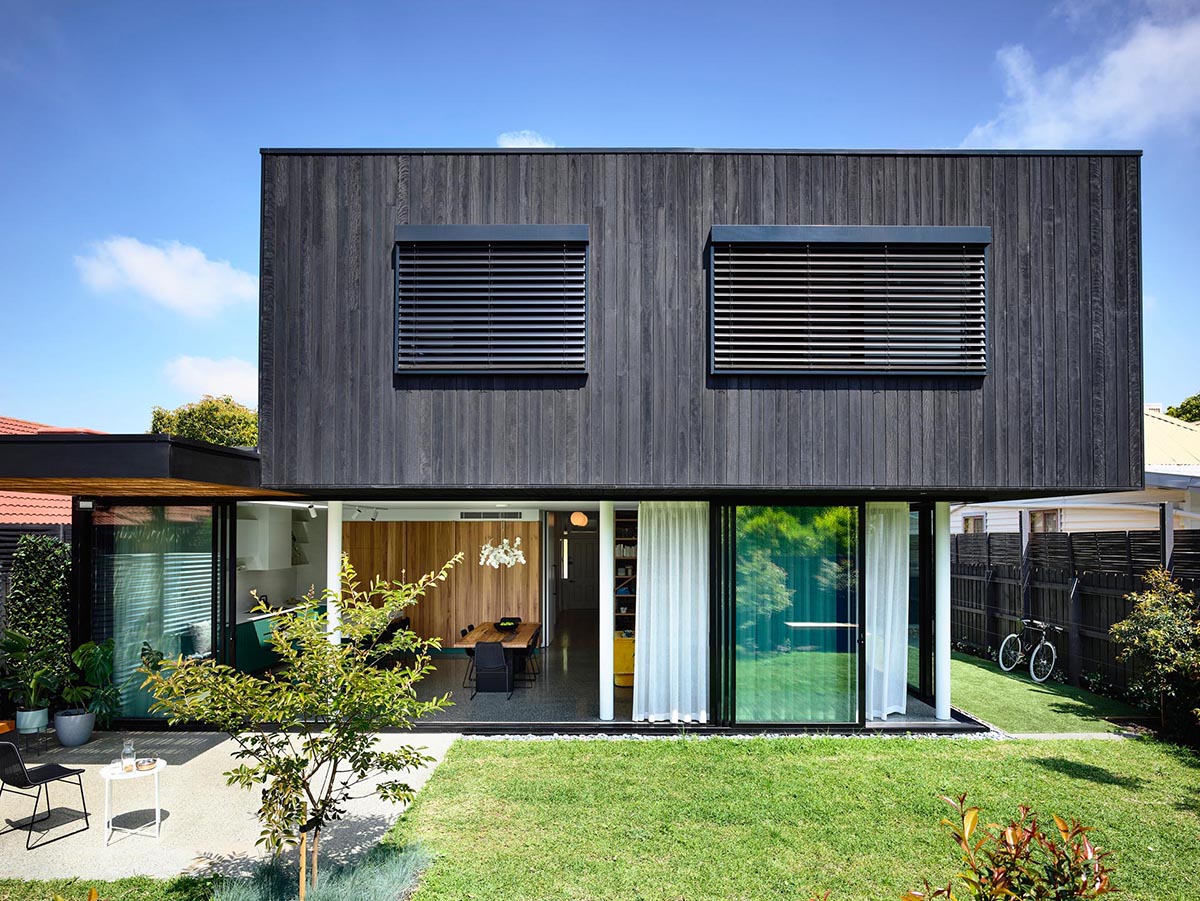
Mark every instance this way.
x=1058 y=407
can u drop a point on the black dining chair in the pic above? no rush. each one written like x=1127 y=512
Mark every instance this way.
x=18 y=780
x=463 y=633
x=493 y=668
x=529 y=665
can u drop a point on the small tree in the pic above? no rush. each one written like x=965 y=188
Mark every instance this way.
x=1188 y=409
x=38 y=597
x=1163 y=633
x=217 y=420
x=306 y=732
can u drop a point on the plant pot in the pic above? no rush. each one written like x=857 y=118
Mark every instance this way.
x=74 y=727
x=32 y=720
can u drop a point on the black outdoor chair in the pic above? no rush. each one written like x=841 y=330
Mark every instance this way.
x=493 y=668
x=18 y=780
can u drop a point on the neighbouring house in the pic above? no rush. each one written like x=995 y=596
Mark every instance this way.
x=25 y=512
x=1169 y=501
x=724 y=400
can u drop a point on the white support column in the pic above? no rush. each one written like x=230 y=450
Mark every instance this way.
x=941 y=610
x=608 y=607
x=333 y=566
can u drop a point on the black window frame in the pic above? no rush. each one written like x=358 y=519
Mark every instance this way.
x=496 y=233
x=849 y=234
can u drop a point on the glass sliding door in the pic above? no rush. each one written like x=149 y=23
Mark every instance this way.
x=796 y=614
x=153 y=587
x=920 y=601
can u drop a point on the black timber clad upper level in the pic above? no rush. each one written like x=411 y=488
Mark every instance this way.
x=1059 y=409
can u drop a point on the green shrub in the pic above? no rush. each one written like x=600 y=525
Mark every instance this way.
x=1021 y=860
x=1018 y=861
x=384 y=873
x=1163 y=635
x=39 y=595
x=217 y=420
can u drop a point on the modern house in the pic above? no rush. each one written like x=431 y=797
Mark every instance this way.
x=724 y=399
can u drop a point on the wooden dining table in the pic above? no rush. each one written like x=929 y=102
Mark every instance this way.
x=518 y=638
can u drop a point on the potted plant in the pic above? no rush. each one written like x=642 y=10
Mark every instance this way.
x=29 y=678
x=90 y=691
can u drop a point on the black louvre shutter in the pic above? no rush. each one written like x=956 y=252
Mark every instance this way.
x=849 y=307
x=491 y=306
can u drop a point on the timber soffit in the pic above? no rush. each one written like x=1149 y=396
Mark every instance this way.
x=730 y=151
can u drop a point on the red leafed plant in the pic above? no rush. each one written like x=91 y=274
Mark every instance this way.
x=1021 y=861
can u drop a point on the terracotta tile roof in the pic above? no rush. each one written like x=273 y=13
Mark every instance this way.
x=10 y=426
x=21 y=508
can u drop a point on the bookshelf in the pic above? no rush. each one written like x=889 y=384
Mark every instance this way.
x=625 y=559
x=625 y=567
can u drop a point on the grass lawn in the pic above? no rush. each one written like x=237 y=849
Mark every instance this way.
x=137 y=888
x=1015 y=703
x=777 y=818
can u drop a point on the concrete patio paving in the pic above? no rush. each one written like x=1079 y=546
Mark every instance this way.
x=207 y=826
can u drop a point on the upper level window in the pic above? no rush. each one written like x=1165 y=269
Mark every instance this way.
x=491 y=298
x=848 y=299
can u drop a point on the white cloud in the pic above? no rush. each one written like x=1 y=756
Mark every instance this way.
x=175 y=275
x=523 y=138
x=203 y=375
x=1149 y=80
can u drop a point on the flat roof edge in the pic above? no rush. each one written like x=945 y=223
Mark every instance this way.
x=136 y=438
x=379 y=151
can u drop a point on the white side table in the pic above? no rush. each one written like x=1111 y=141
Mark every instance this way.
x=112 y=774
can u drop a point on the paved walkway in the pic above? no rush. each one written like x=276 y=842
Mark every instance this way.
x=207 y=826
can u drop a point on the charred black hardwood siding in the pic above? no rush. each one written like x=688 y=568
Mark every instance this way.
x=1059 y=409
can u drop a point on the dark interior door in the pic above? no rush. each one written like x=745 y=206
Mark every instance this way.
x=581 y=581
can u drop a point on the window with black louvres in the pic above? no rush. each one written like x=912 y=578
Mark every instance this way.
x=491 y=306
x=848 y=307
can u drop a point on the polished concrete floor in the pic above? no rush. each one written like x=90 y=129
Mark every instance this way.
x=566 y=691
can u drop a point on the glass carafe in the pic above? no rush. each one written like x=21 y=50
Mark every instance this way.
x=127 y=756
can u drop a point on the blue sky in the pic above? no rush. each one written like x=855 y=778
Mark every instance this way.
x=130 y=168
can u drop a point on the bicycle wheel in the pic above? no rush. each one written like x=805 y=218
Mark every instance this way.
x=1010 y=653
x=1041 y=661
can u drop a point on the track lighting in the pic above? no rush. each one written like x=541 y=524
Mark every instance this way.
x=312 y=511
x=374 y=515
x=357 y=513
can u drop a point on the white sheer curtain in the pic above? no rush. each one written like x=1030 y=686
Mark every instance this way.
x=887 y=609
x=670 y=668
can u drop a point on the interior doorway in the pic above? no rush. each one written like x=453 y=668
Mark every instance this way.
x=579 y=551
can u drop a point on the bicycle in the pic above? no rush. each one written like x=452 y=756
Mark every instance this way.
x=1030 y=643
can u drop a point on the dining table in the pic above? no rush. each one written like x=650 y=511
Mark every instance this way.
x=517 y=639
